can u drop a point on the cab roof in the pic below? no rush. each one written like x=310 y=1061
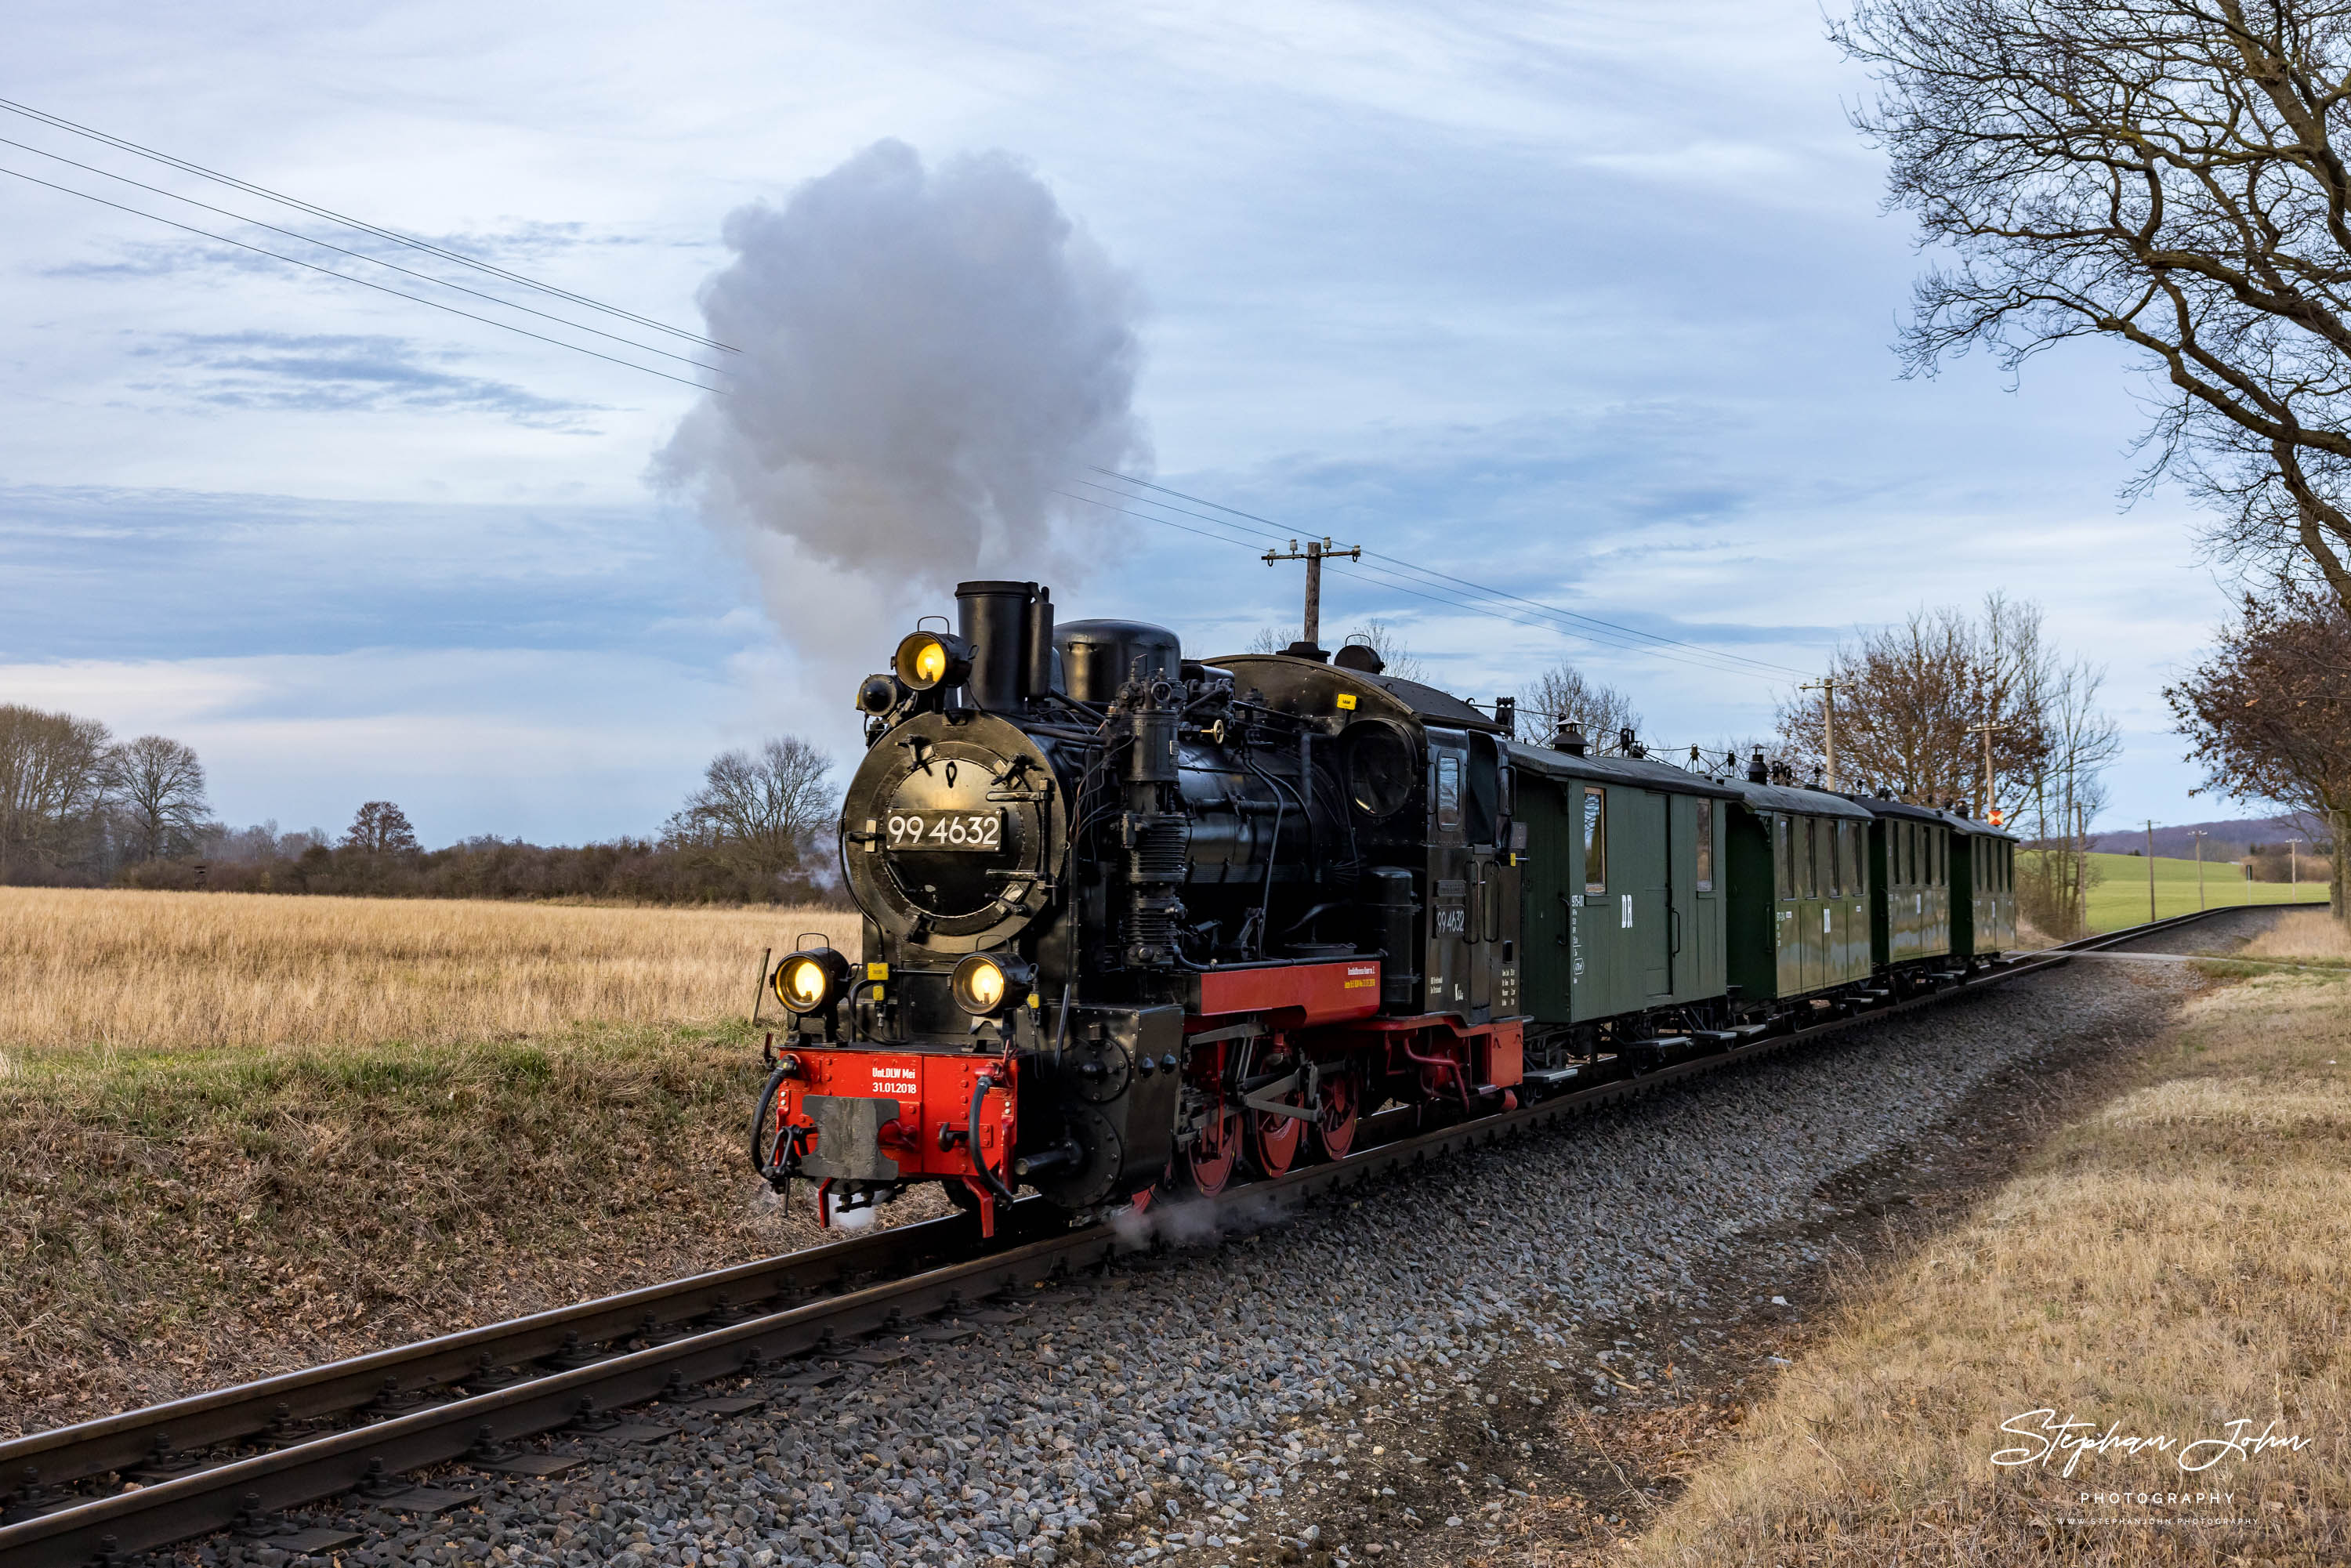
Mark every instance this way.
x=1308 y=687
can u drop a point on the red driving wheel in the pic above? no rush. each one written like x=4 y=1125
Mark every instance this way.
x=1209 y=1161
x=1342 y=1103
x=1273 y=1141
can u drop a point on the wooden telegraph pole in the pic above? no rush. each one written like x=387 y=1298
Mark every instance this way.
x=1827 y=686
x=1315 y=553
x=1983 y=814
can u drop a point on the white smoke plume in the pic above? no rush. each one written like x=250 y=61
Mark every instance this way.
x=927 y=357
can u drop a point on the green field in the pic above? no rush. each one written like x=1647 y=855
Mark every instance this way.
x=2119 y=899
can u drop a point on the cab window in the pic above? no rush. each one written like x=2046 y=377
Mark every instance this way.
x=1706 y=846
x=1595 y=839
x=1449 y=791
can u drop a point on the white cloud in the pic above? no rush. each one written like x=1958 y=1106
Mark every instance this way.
x=1591 y=301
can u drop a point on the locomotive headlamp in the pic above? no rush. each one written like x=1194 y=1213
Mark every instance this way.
x=878 y=694
x=810 y=981
x=986 y=984
x=927 y=659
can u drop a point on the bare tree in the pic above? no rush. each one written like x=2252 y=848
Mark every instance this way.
x=1566 y=695
x=764 y=809
x=1395 y=659
x=2172 y=174
x=1911 y=699
x=1271 y=640
x=2055 y=874
x=2268 y=713
x=53 y=779
x=380 y=828
x=158 y=788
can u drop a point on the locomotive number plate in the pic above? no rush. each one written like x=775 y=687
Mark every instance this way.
x=979 y=831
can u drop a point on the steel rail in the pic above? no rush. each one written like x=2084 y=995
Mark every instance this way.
x=260 y=1409
x=310 y=1468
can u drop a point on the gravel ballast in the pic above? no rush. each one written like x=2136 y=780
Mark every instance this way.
x=1200 y=1407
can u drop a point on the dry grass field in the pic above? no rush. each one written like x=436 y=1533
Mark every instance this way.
x=2305 y=936
x=247 y=1133
x=2175 y=1263
x=143 y=971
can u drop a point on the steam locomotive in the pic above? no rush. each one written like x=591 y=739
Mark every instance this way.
x=1136 y=924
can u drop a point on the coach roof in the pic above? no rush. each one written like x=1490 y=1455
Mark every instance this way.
x=1793 y=799
x=1639 y=771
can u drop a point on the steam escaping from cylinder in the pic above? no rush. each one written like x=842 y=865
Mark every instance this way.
x=928 y=357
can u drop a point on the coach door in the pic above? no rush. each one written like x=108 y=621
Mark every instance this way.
x=1649 y=912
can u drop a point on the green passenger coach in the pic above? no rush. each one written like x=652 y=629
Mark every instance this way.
x=1799 y=883
x=1984 y=890
x=1623 y=884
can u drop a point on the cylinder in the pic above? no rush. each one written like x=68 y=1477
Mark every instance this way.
x=1037 y=637
x=1389 y=893
x=991 y=615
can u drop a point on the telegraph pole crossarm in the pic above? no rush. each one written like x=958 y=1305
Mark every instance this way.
x=1316 y=552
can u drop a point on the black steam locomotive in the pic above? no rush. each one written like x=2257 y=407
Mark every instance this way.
x=1136 y=922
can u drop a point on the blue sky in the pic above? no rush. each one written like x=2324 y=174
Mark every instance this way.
x=1589 y=301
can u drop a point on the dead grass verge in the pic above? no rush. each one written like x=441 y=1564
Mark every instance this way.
x=172 y=1221
x=2167 y=1266
x=138 y=971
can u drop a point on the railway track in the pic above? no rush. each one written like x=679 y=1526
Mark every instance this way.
x=540 y=1393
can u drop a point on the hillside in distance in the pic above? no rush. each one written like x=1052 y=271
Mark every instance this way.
x=2225 y=840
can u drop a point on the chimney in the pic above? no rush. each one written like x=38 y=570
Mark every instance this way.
x=1757 y=772
x=1568 y=737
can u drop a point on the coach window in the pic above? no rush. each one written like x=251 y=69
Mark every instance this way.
x=1595 y=839
x=1706 y=846
x=1938 y=856
x=1783 y=859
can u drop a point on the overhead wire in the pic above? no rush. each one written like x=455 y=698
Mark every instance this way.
x=1658 y=638
x=363 y=257
x=1688 y=655
x=347 y=278
x=1429 y=586
x=394 y=235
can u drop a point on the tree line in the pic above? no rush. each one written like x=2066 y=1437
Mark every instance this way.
x=80 y=809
